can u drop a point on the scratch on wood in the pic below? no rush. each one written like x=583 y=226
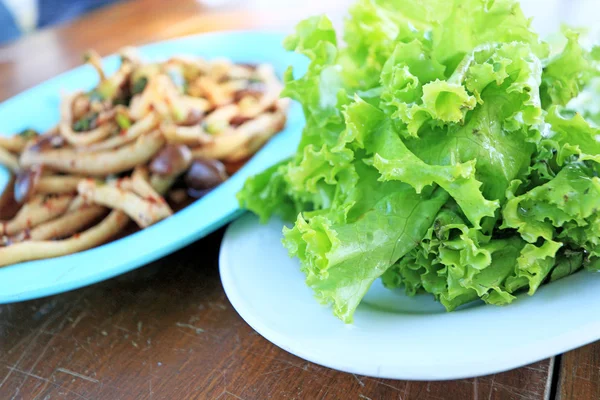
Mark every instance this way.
x=121 y=328
x=15 y=395
x=234 y=395
x=214 y=305
x=42 y=389
x=28 y=374
x=277 y=370
x=29 y=346
x=78 y=319
x=361 y=383
x=75 y=374
x=139 y=326
x=26 y=339
x=385 y=384
x=362 y=396
x=519 y=391
x=194 y=328
x=325 y=394
x=492 y=387
x=529 y=367
x=151 y=394
x=36 y=362
x=475 y=389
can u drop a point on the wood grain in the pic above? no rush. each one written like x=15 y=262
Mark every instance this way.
x=580 y=374
x=167 y=331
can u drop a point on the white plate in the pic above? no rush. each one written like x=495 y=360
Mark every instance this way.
x=394 y=336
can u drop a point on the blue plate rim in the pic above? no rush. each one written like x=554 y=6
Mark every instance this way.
x=221 y=202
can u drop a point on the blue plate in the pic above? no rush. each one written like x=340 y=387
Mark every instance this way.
x=38 y=108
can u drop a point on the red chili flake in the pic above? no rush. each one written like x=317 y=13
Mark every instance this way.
x=123 y=132
x=194 y=117
x=76 y=236
x=152 y=200
x=28 y=222
x=238 y=120
x=249 y=65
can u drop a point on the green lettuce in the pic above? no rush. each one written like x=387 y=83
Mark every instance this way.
x=447 y=150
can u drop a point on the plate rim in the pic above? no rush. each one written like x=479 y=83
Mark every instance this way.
x=573 y=338
x=227 y=210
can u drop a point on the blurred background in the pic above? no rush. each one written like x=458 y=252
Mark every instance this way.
x=19 y=18
x=42 y=38
x=22 y=17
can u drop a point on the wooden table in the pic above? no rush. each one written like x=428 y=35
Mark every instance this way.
x=167 y=331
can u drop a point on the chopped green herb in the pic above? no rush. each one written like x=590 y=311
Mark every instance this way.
x=179 y=114
x=139 y=85
x=214 y=127
x=85 y=123
x=123 y=121
x=28 y=133
x=94 y=95
x=122 y=100
x=107 y=89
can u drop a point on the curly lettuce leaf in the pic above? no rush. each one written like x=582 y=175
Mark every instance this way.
x=572 y=196
x=341 y=261
x=266 y=194
x=471 y=23
x=533 y=266
x=395 y=161
x=320 y=90
x=458 y=264
x=567 y=73
x=438 y=155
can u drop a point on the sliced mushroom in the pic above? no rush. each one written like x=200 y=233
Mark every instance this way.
x=194 y=117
